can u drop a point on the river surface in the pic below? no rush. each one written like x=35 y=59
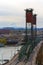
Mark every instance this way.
x=8 y=53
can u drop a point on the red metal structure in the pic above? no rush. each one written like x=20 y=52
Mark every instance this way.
x=29 y=15
x=30 y=18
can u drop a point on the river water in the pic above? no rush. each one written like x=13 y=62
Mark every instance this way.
x=8 y=53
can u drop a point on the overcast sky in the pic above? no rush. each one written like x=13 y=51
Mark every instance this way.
x=12 y=12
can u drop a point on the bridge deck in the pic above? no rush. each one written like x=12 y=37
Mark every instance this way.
x=31 y=60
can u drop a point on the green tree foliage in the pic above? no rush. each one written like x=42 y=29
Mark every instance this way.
x=3 y=40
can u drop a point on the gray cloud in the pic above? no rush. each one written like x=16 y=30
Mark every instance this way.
x=16 y=8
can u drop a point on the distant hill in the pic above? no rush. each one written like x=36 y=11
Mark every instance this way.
x=8 y=28
x=39 y=28
x=12 y=28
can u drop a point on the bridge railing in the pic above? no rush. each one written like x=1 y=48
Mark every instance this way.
x=24 y=48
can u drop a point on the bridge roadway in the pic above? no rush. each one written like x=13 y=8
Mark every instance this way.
x=32 y=58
